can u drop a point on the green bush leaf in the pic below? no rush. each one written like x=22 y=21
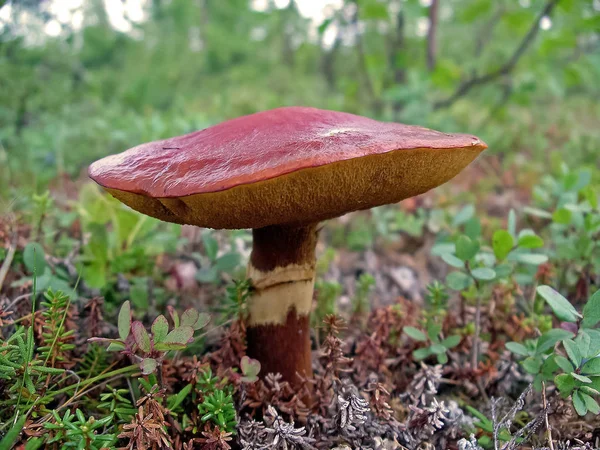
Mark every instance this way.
x=228 y=262
x=211 y=246
x=189 y=317
x=463 y=215
x=532 y=364
x=590 y=403
x=33 y=257
x=180 y=335
x=502 y=243
x=547 y=340
x=451 y=341
x=124 y=320
x=517 y=349
x=466 y=248
x=250 y=368
x=592 y=367
x=160 y=328
x=483 y=273
x=591 y=311
x=565 y=383
x=531 y=241
x=573 y=352
x=415 y=334
x=581 y=378
x=458 y=281
x=579 y=403
x=452 y=260
x=148 y=366
x=563 y=309
x=534 y=259
x=562 y=216
x=421 y=353
x=140 y=336
x=564 y=363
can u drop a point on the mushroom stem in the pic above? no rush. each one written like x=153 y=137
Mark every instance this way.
x=282 y=270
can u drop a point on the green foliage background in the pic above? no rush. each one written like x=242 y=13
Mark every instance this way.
x=92 y=91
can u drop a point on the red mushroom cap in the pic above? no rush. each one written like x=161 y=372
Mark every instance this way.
x=254 y=166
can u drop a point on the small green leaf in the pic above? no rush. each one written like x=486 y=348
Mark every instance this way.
x=564 y=363
x=211 y=246
x=591 y=311
x=160 y=328
x=33 y=257
x=466 y=248
x=189 y=317
x=590 y=403
x=180 y=335
x=437 y=349
x=562 y=216
x=517 y=349
x=531 y=241
x=415 y=334
x=565 y=383
x=579 y=403
x=203 y=320
x=594 y=348
x=250 y=368
x=115 y=347
x=563 y=309
x=547 y=340
x=228 y=262
x=124 y=320
x=512 y=223
x=537 y=212
x=451 y=341
x=421 y=353
x=573 y=352
x=581 y=378
x=148 y=366
x=140 y=336
x=452 y=260
x=532 y=364
x=534 y=259
x=502 y=243
x=458 y=281
x=483 y=273
x=592 y=367
x=463 y=215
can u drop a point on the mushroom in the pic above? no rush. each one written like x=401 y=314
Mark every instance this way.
x=281 y=172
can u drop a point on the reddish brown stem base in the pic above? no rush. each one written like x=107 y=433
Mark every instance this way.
x=282 y=348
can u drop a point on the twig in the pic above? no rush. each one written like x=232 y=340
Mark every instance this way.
x=431 y=35
x=9 y=258
x=545 y=406
x=506 y=68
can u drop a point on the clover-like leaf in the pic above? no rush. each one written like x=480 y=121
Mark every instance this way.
x=415 y=334
x=483 y=273
x=148 y=366
x=563 y=309
x=140 y=335
x=502 y=243
x=250 y=368
x=124 y=320
x=458 y=281
x=466 y=248
x=33 y=257
x=591 y=311
x=530 y=241
x=160 y=329
x=565 y=384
